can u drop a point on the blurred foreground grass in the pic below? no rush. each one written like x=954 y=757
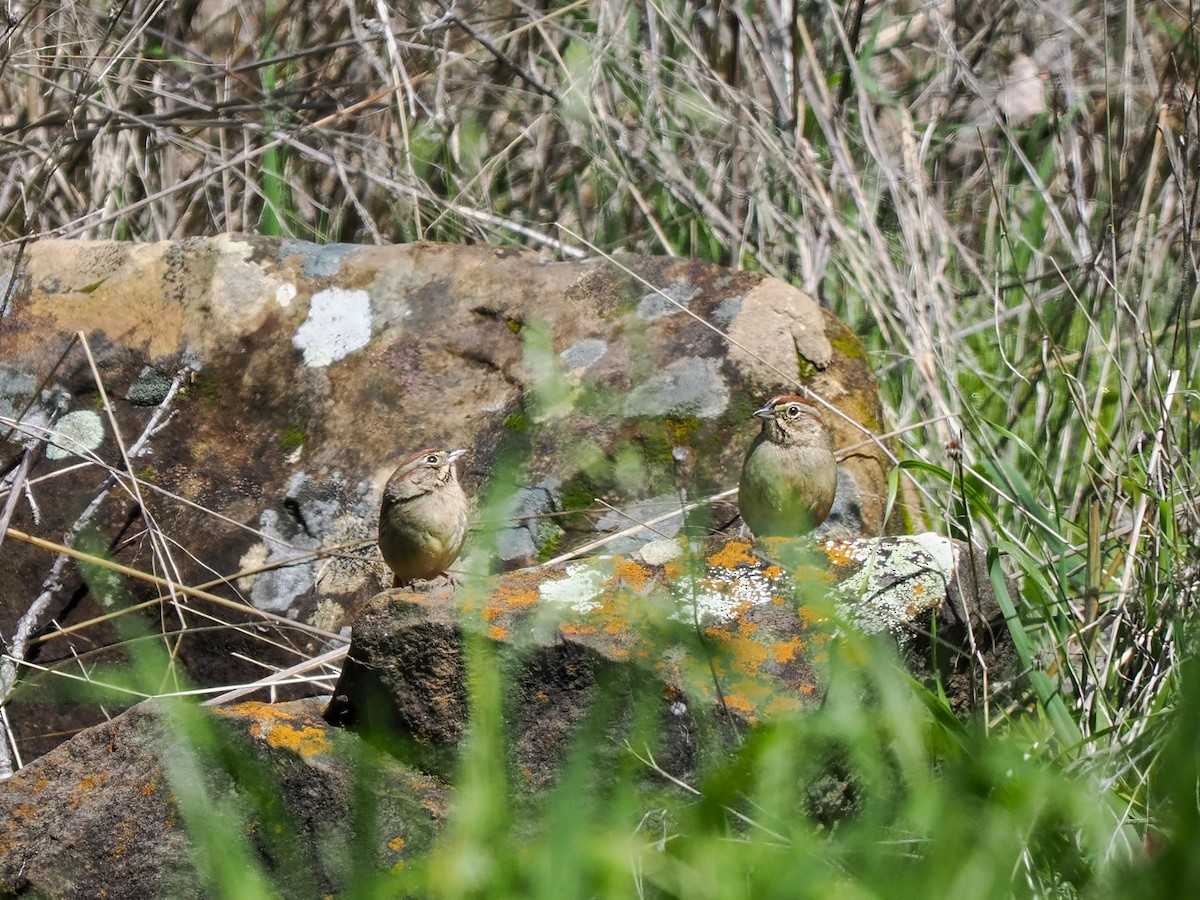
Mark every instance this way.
x=1000 y=201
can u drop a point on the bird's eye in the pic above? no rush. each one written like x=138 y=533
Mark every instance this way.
x=432 y=459
x=793 y=410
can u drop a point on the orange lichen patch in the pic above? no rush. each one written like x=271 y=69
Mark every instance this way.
x=629 y=574
x=732 y=555
x=809 y=616
x=778 y=600
x=125 y=841
x=417 y=598
x=277 y=727
x=745 y=653
x=306 y=741
x=618 y=653
x=571 y=628
x=756 y=691
x=517 y=598
x=24 y=811
x=85 y=786
x=786 y=651
x=840 y=553
x=507 y=598
x=616 y=625
x=541 y=697
x=496 y=633
x=148 y=788
x=396 y=844
x=918 y=589
x=741 y=704
x=672 y=571
x=251 y=709
x=41 y=784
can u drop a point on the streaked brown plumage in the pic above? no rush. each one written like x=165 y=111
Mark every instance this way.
x=424 y=517
x=789 y=476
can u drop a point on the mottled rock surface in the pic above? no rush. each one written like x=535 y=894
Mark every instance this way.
x=264 y=389
x=100 y=816
x=714 y=643
x=261 y=391
x=674 y=650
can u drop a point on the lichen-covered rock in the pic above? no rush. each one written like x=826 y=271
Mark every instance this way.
x=264 y=390
x=718 y=641
x=114 y=811
x=669 y=650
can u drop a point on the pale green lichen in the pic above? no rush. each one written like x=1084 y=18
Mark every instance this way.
x=150 y=389
x=889 y=593
x=327 y=616
x=658 y=553
x=75 y=434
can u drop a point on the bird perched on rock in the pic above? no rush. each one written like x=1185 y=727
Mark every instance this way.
x=424 y=518
x=789 y=476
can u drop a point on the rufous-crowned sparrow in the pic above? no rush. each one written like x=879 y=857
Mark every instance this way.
x=424 y=517
x=789 y=475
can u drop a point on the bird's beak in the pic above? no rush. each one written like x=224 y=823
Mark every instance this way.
x=767 y=412
x=455 y=455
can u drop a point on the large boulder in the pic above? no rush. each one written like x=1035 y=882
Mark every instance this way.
x=670 y=654
x=713 y=642
x=157 y=801
x=262 y=390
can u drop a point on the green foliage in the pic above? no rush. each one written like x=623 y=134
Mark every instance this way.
x=292 y=437
x=1024 y=283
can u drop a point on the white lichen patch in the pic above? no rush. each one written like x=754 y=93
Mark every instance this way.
x=658 y=553
x=721 y=594
x=285 y=294
x=941 y=549
x=894 y=588
x=686 y=387
x=346 y=573
x=584 y=353
x=578 y=589
x=338 y=323
x=674 y=298
x=74 y=434
x=254 y=558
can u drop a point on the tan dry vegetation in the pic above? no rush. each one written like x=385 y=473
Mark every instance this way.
x=999 y=198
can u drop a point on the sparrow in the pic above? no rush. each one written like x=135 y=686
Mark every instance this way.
x=424 y=517
x=789 y=475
